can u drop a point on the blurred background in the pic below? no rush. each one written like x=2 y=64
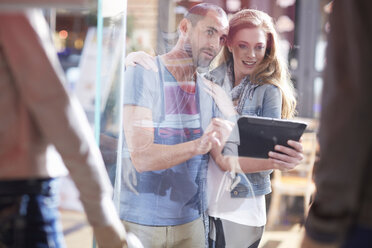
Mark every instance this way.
x=92 y=44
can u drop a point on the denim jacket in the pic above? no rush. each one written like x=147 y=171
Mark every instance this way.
x=260 y=100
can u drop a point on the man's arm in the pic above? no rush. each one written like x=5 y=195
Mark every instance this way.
x=148 y=156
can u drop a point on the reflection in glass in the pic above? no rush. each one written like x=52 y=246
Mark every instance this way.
x=170 y=137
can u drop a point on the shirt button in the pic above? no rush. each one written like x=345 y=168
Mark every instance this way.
x=235 y=192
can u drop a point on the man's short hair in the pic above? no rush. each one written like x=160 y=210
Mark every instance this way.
x=199 y=11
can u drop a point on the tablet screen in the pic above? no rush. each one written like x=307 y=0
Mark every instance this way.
x=259 y=135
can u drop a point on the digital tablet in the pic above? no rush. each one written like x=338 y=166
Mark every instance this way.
x=259 y=135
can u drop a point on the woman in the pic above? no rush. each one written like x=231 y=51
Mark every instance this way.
x=252 y=71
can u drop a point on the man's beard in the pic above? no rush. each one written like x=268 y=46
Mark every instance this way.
x=205 y=62
x=198 y=60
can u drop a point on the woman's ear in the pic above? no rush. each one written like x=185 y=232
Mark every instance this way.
x=229 y=47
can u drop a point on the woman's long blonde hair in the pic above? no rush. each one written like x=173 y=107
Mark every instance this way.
x=273 y=69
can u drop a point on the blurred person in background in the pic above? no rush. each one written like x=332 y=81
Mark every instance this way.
x=37 y=112
x=341 y=215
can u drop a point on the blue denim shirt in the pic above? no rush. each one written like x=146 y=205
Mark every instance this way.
x=261 y=100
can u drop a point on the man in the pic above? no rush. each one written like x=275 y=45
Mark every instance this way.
x=169 y=128
x=340 y=215
x=36 y=112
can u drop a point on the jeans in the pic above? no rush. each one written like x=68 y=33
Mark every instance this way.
x=29 y=214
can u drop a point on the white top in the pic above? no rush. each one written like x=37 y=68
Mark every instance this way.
x=245 y=211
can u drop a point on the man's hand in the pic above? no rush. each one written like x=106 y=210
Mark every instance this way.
x=216 y=134
x=289 y=158
x=141 y=58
